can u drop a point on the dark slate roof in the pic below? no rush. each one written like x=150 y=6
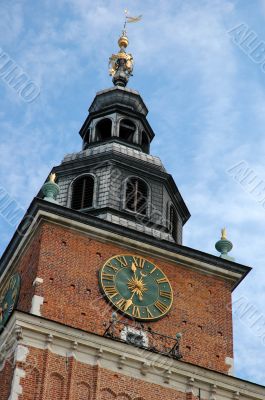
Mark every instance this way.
x=118 y=95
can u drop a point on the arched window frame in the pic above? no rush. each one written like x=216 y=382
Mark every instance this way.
x=148 y=197
x=71 y=187
x=135 y=135
x=96 y=139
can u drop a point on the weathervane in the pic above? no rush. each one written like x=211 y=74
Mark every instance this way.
x=121 y=64
x=130 y=19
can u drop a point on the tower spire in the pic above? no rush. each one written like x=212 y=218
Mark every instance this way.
x=121 y=64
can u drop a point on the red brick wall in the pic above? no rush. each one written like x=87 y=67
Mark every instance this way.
x=27 y=268
x=6 y=375
x=55 y=378
x=69 y=262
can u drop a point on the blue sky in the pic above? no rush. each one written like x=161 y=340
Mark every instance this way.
x=206 y=100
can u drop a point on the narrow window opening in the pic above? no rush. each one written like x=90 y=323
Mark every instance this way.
x=83 y=192
x=136 y=196
x=103 y=130
x=127 y=130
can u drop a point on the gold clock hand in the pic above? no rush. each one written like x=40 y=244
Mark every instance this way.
x=129 y=302
x=133 y=268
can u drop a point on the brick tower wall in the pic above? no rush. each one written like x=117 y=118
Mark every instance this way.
x=49 y=377
x=68 y=262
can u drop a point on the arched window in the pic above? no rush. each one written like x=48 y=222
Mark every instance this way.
x=83 y=192
x=127 y=130
x=137 y=196
x=173 y=223
x=103 y=130
x=145 y=142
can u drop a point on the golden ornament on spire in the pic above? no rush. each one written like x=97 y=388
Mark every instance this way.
x=121 y=64
x=52 y=178
x=223 y=234
x=123 y=41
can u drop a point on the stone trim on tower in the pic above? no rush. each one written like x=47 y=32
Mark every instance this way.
x=143 y=369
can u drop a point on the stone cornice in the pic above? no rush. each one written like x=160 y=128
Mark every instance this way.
x=29 y=330
x=111 y=157
x=41 y=211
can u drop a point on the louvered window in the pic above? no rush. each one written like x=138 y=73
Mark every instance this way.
x=173 y=223
x=137 y=196
x=83 y=192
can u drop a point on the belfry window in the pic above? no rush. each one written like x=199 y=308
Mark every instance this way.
x=173 y=222
x=127 y=130
x=137 y=196
x=83 y=192
x=103 y=130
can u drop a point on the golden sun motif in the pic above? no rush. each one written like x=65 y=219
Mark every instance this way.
x=137 y=286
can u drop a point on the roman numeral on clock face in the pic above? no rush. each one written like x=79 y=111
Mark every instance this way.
x=153 y=270
x=110 y=291
x=167 y=295
x=139 y=262
x=161 y=280
x=109 y=265
x=160 y=306
x=136 y=311
x=122 y=260
x=149 y=314
x=121 y=304
x=12 y=283
x=107 y=277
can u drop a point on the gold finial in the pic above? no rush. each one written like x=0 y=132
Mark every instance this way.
x=121 y=64
x=223 y=234
x=52 y=178
x=224 y=246
x=123 y=41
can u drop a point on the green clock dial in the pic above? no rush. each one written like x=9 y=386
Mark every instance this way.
x=136 y=287
x=8 y=299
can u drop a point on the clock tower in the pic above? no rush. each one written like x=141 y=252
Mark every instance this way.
x=99 y=298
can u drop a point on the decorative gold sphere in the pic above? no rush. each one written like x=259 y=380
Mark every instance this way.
x=123 y=41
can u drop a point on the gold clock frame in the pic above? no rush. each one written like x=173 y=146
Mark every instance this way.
x=140 y=261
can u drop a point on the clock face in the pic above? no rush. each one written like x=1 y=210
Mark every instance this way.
x=136 y=287
x=8 y=299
